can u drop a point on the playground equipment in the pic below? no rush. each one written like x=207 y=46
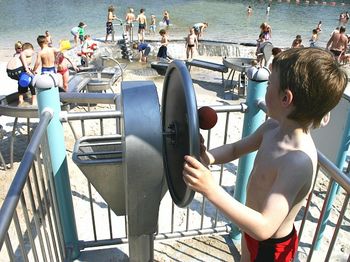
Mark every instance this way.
x=127 y=169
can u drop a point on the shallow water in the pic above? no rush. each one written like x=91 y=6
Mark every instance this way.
x=25 y=19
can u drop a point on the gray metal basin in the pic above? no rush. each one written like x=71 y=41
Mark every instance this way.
x=98 y=84
x=100 y=160
x=238 y=63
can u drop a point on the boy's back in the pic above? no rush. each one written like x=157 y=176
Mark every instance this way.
x=47 y=56
x=286 y=160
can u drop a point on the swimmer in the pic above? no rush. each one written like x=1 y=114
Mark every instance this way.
x=166 y=18
x=265 y=29
x=142 y=19
x=109 y=24
x=249 y=10
x=191 y=43
x=297 y=42
x=129 y=20
x=319 y=27
x=268 y=9
x=49 y=38
x=153 y=25
x=338 y=43
x=314 y=38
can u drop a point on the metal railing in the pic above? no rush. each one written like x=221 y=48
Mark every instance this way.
x=29 y=222
x=42 y=239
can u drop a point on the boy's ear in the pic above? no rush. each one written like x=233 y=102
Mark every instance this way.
x=287 y=98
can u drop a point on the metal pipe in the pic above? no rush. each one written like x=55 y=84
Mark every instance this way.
x=48 y=97
x=253 y=118
x=69 y=116
x=93 y=98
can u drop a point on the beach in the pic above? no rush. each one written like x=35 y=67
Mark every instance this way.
x=229 y=26
x=218 y=247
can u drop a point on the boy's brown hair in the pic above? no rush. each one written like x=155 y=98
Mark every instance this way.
x=315 y=79
x=27 y=46
x=162 y=32
x=41 y=39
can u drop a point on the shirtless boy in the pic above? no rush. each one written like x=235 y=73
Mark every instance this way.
x=45 y=57
x=163 y=49
x=191 y=43
x=109 y=24
x=338 y=43
x=141 y=18
x=19 y=64
x=286 y=161
x=129 y=19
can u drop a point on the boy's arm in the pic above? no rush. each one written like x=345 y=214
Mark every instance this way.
x=291 y=181
x=230 y=152
x=22 y=58
x=37 y=62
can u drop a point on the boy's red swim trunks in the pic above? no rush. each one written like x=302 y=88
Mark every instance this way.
x=273 y=249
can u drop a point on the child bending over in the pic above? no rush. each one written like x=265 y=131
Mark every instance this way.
x=286 y=161
x=20 y=64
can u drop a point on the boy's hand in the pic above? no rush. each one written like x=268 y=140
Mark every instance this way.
x=197 y=177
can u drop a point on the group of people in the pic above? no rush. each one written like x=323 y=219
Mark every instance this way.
x=129 y=20
x=49 y=60
x=337 y=43
x=286 y=161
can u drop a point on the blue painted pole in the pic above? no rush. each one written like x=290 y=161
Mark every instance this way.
x=340 y=163
x=48 y=97
x=253 y=118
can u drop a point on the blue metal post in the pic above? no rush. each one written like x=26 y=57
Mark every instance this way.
x=340 y=163
x=253 y=118
x=48 y=97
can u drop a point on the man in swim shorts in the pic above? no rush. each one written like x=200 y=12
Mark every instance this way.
x=142 y=19
x=191 y=43
x=129 y=20
x=338 y=43
x=19 y=64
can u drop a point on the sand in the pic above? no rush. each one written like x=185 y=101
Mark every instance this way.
x=209 y=91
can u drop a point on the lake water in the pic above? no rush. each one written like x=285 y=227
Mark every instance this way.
x=228 y=21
